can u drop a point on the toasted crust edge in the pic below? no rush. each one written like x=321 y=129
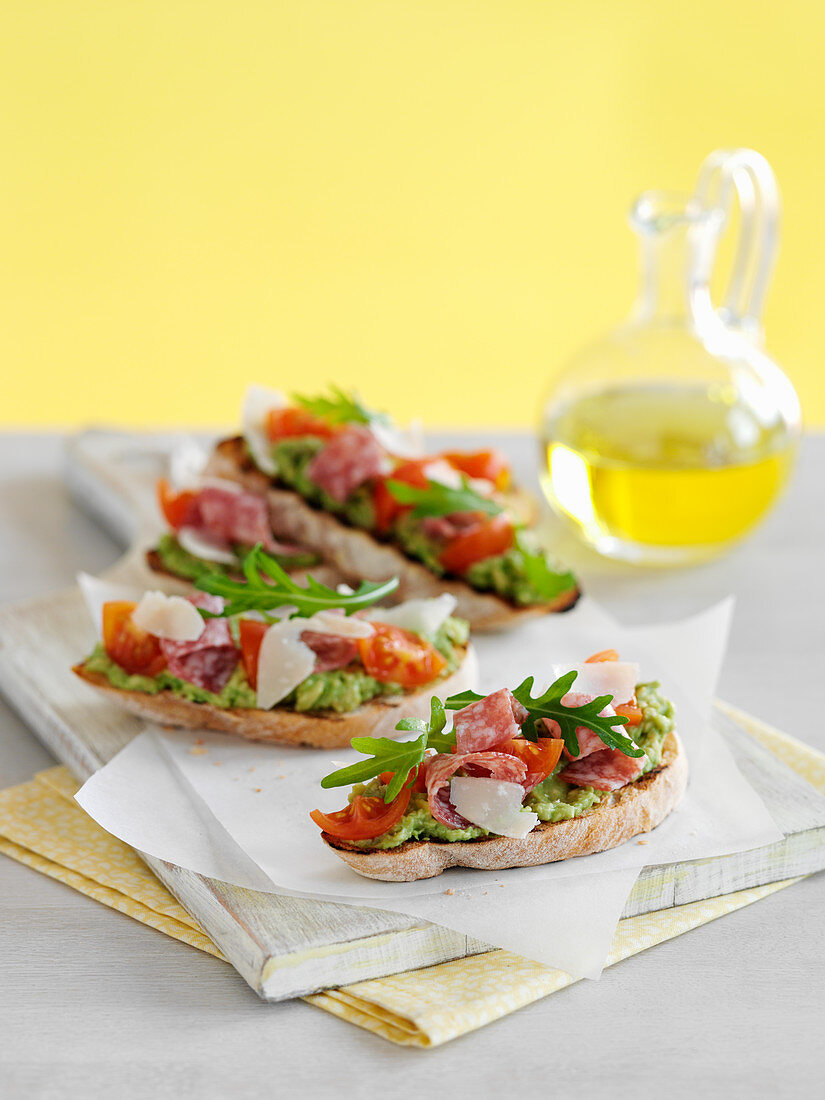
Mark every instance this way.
x=637 y=808
x=358 y=555
x=283 y=727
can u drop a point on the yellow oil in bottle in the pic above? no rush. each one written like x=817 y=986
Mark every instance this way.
x=663 y=474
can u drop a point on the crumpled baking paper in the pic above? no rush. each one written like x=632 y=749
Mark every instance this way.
x=238 y=811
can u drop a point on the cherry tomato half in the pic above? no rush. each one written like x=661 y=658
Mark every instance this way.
x=251 y=635
x=364 y=818
x=419 y=782
x=177 y=508
x=631 y=711
x=539 y=757
x=130 y=647
x=293 y=422
x=387 y=508
x=602 y=655
x=490 y=465
x=492 y=535
x=396 y=656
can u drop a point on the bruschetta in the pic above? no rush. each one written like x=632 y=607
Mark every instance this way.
x=520 y=780
x=341 y=482
x=326 y=667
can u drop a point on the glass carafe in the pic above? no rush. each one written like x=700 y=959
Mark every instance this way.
x=667 y=440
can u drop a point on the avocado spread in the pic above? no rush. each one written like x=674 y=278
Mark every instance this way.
x=175 y=559
x=551 y=800
x=236 y=693
x=341 y=690
x=509 y=575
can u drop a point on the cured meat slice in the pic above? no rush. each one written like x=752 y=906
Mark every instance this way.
x=445 y=528
x=210 y=660
x=350 y=458
x=441 y=768
x=606 y=770
x=233 y=517
x=331 y=650
x=488 y=722
x=589 y=741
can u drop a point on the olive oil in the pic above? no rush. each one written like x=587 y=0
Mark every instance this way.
x=663 y=474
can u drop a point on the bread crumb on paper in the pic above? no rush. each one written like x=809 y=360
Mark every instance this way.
x=196 y=750
x=449 y=892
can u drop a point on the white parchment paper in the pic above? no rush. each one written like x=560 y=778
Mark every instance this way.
x=238 y=811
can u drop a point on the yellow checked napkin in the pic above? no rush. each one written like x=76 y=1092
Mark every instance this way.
x=41 y=825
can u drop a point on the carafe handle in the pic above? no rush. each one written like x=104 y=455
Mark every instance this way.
x=745 y=174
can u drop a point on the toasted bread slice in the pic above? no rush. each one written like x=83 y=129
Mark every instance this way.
x=319 y=729
x=358 y=556
x=622 y=814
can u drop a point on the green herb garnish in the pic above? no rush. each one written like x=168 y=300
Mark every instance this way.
x=268 y=586
x=539 y=573
x=340 y=408
x=441 y=500
x=549 y=705
x=399 y=757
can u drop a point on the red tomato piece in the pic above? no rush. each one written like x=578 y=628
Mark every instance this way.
x=397 y=656
x=364 y=818
x=602 y=655
x=135 y=650
x=293 y=421
x=251 y=634
x=631 y=711
x=490 y=536
x=387 y=508
x=419 y=782
x=539 y=757
x=177 y=508
x=490 y=465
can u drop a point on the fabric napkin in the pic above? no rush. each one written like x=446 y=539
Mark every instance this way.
x=41 y=826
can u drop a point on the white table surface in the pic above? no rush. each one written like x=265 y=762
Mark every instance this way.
x=94 y=1004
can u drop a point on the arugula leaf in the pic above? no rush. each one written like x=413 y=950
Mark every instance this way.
x=441 y=500
x=462 y=700
x=399 y=757
x=549 y=705
x=538 y=571
x=340 y=407
x=267 y=586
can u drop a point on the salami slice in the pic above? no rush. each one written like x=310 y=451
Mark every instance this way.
x=210 y=660
x=487 y=723
x=350 y=458
x=331 y=650
x=589 y=741
x=445 y=528
x=441 y=768
x=606 y=770
x=231 y=517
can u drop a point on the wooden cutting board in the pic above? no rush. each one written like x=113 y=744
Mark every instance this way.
x=284 y=947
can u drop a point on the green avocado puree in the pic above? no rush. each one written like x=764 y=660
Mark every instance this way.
x=175 y=559
x=551 y=800
x=341 y=690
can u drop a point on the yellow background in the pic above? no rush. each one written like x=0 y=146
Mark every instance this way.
x=424 y=199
